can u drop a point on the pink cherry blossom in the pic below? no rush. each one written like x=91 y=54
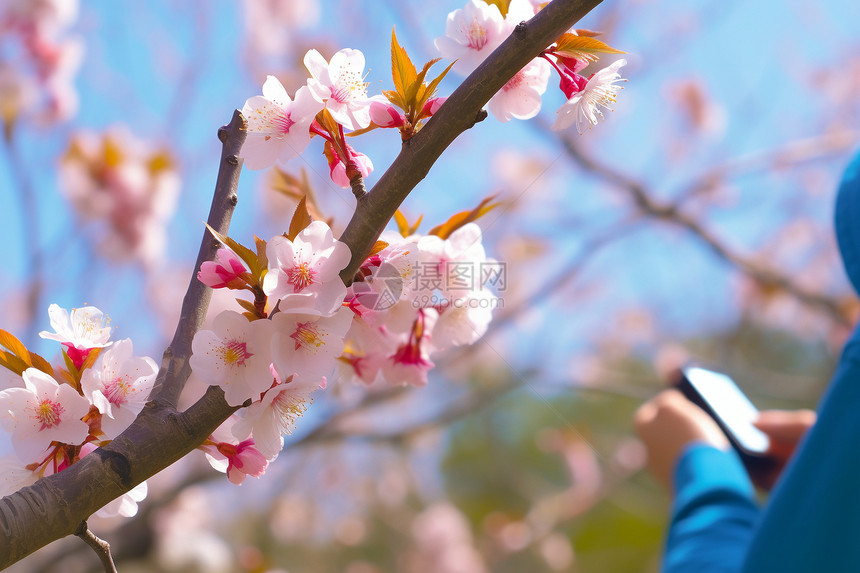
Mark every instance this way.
x=276 y=414
x=366 y=348
x=306 y=345
x=340 y=84
x=583 y=108
x=471 y=34
x=237 y=460
x=410 y=362
x=278 y=127
x=338 y=169
x=520 y=97
x=41 y=412
x=224 y=272
x=118 y=385
x=304 y=273
x=234 y=355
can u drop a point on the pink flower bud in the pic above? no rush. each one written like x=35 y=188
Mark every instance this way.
x=386 y=115
x=338 y=169
x=224 y=272
x=572 y=83
x=433 y=105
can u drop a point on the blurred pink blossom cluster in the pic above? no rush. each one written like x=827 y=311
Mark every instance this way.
x=124 y=188
x=38 y=59
x=413 y=297
x=58 y=415
x=474 y=31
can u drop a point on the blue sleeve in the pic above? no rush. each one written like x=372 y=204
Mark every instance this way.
x=713 y=515
x=812 y=519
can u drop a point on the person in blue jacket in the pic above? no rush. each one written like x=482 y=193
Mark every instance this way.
x=811 y=520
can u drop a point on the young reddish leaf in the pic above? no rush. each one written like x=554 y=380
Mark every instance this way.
x=583 y=48
x=12 y=362
x=301 y=219
x=362 y=131
x=402 y=69
x=396 y=99
x=15 y=346
x=587 y=33
x=502 y=5
x=458 y=220
x=251 y=316
x=415 y=88
x=247 y=305
x=378 y=246
x=42 y=364
x=431 y=89
x=403 y=226
x=66 y=376
x=91 y=358
x=402 y=223
x=262 y=258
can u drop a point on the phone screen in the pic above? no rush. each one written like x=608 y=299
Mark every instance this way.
x=731 y=405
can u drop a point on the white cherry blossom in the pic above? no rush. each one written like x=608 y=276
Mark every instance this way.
x=118 y=384
x=303 y=273
x=583 y=108
x=83 y=328
x=276 y=414
x=234 y=355
x=41 y=412
x=340 y=84
x=278 y=127
x=306 y=345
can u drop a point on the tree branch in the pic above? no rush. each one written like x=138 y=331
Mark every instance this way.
x=457 y=114
x=100 y=546
x=53 y=507
x=175 y=367
x=671 y=213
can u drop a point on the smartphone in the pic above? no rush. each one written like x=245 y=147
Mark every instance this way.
x=719 y=396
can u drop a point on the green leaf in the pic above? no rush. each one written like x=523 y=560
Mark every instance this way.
x=301 y=219
x=585 y=48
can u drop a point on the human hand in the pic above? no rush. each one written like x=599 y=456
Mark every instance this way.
x=785 y=428
x=666 y=424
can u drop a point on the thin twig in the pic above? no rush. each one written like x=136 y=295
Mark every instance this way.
x=100 y=546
